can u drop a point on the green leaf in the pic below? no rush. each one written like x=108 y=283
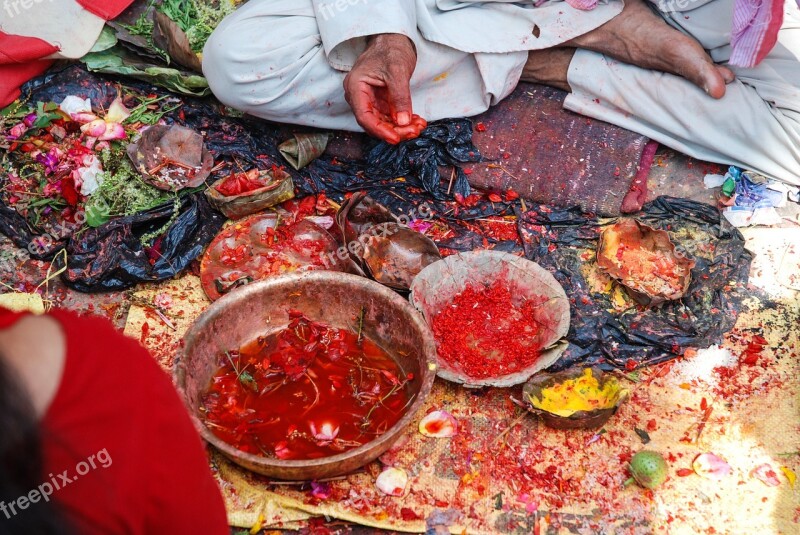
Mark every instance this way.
x=106 y=40
x=117 y=61
x=94 y=216
x=248 y=381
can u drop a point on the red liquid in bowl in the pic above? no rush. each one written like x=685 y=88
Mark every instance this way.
x=305 y=392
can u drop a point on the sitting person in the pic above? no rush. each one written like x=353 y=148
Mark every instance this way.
x=93 y=436
x=387 y=66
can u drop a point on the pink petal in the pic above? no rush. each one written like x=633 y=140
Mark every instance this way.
x=711 y=466
x=94 y=129
x=282 y=450
x=113 y=131
x=327 y=432
x=117 y=112
x=83 y=117
x=438 y=424
x=17 y=131
x=766 y=475
x=392 y=481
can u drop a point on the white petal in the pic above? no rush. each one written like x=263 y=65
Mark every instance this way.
x=438 y=424
x=90 y=176
x=392 y=481
x=73 y=104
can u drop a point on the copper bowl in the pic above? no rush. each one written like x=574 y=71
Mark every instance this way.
x=578 y=420
x=334 y=298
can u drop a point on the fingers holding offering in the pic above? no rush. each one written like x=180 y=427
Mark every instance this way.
x=378 y=89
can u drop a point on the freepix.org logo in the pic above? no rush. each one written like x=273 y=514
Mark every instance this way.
x=15 y=7
x=328 y=10
x=101 y=459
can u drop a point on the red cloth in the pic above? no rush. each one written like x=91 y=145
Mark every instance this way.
x=116 y=409
x=107 y=9
x=21 y=57
x=19 y=62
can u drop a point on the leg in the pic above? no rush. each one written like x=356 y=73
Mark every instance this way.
x=756 y=125
x=267 y=60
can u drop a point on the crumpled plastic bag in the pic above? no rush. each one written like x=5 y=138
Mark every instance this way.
x=565 y=241
x=112 y=256
x=443 y=143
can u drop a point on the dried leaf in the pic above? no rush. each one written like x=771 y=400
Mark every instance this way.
x=171 y=157
x=302 y=149
x=643 y=435
x=168 y=35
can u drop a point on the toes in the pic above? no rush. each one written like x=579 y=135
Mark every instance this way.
x=726 y=73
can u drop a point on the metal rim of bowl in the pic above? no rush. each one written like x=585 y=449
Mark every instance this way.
x=428 y=370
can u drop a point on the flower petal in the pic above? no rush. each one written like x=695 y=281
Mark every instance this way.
x=83 y=118
x=113 y=131
x=74 y=104
x=326 y=432
x=117 y=112
x=321 y=491
x=790 y=475
x=392 y=481
x=711 y=466
x=439 y=424
x=766 y=474
x=94 y=129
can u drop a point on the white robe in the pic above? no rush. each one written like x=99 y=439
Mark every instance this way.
x=285 y=60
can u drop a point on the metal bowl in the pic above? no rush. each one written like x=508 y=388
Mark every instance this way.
x=334 y=298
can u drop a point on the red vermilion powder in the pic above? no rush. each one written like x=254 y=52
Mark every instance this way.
x=486 y=333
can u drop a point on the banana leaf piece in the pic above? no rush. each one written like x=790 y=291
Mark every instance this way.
x=117 y=60
x=303 y=149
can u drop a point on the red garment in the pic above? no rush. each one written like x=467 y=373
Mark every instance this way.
x=118 y=424
x=21 y=57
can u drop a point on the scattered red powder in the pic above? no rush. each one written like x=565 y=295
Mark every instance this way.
x=484 y=334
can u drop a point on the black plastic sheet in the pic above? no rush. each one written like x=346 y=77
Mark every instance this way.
x=563 y=240
x=443 y=143
x=113 y=257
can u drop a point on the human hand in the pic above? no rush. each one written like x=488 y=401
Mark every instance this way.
x=378 y=89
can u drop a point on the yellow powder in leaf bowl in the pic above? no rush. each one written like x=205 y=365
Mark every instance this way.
x=575 y=398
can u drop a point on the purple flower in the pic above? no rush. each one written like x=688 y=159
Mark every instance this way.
x=49 y=160
x=321 y=491
x=29 y=119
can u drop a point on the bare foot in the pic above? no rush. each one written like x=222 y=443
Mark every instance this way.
x=639 y=37
x=549 y=67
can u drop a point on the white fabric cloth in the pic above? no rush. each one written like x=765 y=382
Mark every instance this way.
x=755 y=126
x=285 y=60
x=273 y=58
